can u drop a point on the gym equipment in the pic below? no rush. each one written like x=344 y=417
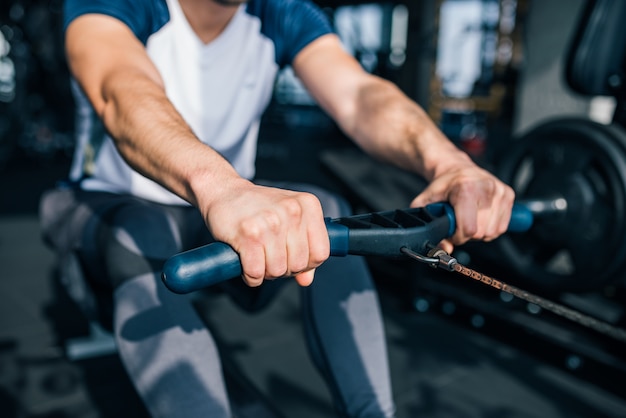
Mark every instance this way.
x=412 y=232
x=578 y=168
x=382 y=234
x=571 y=175
x=573 y=171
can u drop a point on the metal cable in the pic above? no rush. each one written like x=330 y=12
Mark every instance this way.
x=563 y=311
x=439 y=258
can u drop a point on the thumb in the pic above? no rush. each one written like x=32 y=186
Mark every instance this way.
x=305 y=278
x=427 y=196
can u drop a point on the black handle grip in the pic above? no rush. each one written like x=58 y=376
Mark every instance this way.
x=380 y=234
x=213 y=263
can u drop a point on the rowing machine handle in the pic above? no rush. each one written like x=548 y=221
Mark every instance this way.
x=216 y=262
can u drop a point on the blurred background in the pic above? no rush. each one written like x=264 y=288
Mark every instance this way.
x=487 y=71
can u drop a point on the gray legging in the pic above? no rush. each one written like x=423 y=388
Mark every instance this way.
x=168 y=351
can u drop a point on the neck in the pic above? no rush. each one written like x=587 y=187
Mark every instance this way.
x=207 y=18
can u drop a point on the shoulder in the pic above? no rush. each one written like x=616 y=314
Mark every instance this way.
x=291 y=24
x=143 y=17
x=286 y=13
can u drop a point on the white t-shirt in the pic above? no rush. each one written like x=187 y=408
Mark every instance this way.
x=221 y=89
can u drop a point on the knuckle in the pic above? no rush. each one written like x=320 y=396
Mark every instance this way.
x=292 y=208
x=255 y=272
x=509 y=193
x=490 y=235
x=319 y=255
x=252 y=281
x=252 y=266
x=276 y=270
x=311 y=200
x=471 y=231
x=254 y=228
x=272 y=221
x=251 y=229
x=465 y=190
x=298 y=265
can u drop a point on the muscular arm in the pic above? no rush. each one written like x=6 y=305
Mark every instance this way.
x=276 y=232
x=387 y=124
x=372 y=111
x=127 y=92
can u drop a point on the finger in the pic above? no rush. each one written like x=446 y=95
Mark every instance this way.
x=426 y=197
x=466 y=215
x=447 y=246
x=505 y=220
x=297 y=251
x=273 y=236
x=491 y=219
x=253 y=265
x=276 y=258
x=307 y=236
x=315 y=232
x=502 y=224
x=501 y=215
x=508 y=199
x=253 y=251
x=319 y=243
x=305 y=278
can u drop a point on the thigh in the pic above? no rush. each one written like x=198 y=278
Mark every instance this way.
x=125 y=237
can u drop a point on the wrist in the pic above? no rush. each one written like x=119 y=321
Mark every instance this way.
x=209 y=187
x=440 y=155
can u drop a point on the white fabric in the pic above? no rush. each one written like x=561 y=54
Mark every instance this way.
x=220 y=89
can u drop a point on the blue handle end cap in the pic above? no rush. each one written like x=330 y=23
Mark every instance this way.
x=521 y=219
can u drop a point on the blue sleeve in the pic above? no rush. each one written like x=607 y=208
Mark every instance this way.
x=143 y=17
x=291 y=24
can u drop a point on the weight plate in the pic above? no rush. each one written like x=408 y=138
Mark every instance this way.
x=583 y=248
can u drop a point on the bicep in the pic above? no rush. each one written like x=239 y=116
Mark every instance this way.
x=100 y=48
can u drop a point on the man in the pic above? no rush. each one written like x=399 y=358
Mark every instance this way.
x=179 y=87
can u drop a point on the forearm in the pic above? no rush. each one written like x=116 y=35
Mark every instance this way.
x=154 y=139
x=388 y=125
x=127 y=92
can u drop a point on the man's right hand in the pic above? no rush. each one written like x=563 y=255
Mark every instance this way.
x=276 y=232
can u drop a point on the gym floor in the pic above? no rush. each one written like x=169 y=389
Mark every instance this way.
x=441 y=366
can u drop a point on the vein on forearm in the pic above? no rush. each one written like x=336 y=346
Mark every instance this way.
x=388 y=125
x=153 y=137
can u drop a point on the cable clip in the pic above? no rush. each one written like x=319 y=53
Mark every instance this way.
x=444 y=260
x=436 y=258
